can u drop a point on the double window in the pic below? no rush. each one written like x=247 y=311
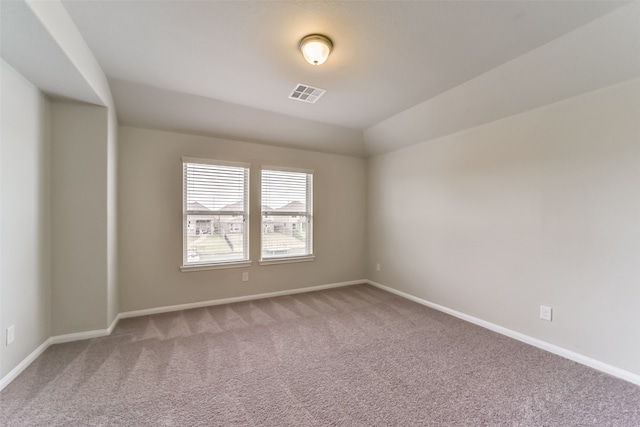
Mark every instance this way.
x=216 y=214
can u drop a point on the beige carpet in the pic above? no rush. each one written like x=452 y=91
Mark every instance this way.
x=354 y=356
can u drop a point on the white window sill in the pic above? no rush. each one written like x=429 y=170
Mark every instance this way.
x=201 y=267
x=271 y=261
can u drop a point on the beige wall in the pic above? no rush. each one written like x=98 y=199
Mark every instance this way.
x=80 y=274
x=538 y=208
x=112 y=217
x=150 y=220
x=25 y=251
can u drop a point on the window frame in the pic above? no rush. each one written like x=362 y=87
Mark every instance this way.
x=246 y=259
x=308 y=214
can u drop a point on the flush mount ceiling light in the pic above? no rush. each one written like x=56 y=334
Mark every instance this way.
x=315 y=48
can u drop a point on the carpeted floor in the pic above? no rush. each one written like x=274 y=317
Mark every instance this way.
x=353 y=356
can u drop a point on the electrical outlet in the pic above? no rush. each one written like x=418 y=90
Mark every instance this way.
x=377 y=266
x=11 y=334
x=245 y=276
x=545 y=313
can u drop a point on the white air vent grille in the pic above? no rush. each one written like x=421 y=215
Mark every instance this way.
x=306 y=93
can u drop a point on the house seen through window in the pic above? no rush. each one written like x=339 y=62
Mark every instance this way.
x=287 y=214
x=215 y=212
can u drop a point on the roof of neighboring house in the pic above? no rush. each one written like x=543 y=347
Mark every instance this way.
x=195 y=206
x=237 y=206
x=294 y=206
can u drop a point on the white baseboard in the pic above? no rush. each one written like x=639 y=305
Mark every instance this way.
x=59 y=339
x=199 y=304
x=24 y=364
x=551 y=348
x=568 y=354
x=56 y=339
x=113 y=324
x=79 y=336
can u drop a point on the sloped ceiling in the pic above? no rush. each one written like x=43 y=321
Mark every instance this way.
x=398 y=73
x=30 y=48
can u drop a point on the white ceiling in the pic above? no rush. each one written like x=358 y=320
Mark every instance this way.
x=226 y=68
x=31 y=49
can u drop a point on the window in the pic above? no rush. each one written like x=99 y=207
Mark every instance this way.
x=215 y=213
x=287 y=214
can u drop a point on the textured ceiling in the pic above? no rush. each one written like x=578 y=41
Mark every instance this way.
x=388 y=56
x=401 y=72
x=30 y=48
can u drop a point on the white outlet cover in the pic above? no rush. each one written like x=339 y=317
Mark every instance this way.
x=11 y=334
x=545 y=312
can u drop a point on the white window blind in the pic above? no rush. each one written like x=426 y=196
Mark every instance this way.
x=287 y=214
x=215 y=213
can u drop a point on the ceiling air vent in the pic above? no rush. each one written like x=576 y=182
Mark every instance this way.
x=306 y=93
